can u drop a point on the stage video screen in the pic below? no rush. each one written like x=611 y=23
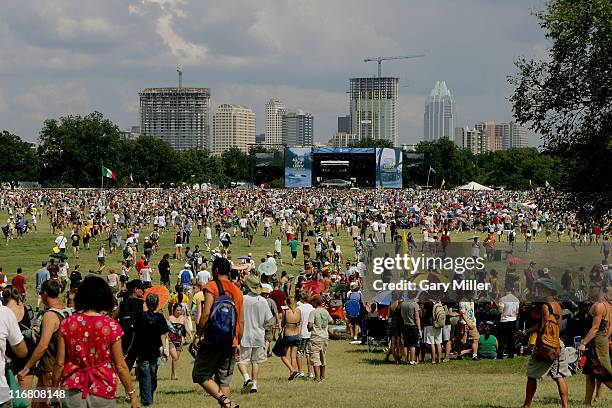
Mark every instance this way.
x=344 y=167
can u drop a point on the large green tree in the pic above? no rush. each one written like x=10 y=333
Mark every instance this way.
x=73 y=149
x=236 y=164
x=18 y=160
x=567 y=98
x=150 y=161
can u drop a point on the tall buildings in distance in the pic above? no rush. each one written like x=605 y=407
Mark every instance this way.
x=178 y=116
x=233 y=126
x=373 y=108
x=439 y=118
x=286 y=127
x=491 y=136
x=297 y=128
x=275 y=110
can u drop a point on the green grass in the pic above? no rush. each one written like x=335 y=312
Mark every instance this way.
x=354 y=377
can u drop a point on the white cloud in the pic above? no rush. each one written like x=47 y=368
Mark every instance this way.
x=64 y=98
x=242 y=49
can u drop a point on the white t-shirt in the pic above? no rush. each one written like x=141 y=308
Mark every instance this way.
x=203 y=277
x=277 y=245
x=9 y=333
x=509 y=305
x=305 y=309
x=256 y=313
x=60 y=242
x=145 y=274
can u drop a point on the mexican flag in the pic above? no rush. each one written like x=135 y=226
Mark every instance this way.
x=109 y=173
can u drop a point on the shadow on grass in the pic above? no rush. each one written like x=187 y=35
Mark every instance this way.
x=175 y=392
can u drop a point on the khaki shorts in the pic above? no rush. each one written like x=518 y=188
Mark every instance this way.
x=214 y=362
x=538 y=369
x=473 y=334
x=255 y=355
x=318 y=350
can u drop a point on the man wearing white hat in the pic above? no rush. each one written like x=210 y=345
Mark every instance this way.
x=186 y=279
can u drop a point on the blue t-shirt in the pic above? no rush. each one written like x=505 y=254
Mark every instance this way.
x=186 y=277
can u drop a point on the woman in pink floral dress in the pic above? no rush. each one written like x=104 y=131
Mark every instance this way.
x=89 y=351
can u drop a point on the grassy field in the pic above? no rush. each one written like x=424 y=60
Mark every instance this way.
x=354 y=377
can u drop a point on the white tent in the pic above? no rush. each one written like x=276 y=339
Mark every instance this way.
x=474 y=187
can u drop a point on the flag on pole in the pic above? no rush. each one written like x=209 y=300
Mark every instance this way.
x=442 y=184
x=108 y=173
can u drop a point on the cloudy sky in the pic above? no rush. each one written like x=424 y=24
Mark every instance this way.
x=61 y=57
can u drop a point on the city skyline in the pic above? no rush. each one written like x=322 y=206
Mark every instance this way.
x=59 y=60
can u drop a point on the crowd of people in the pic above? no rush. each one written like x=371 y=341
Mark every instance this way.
x=229 y=309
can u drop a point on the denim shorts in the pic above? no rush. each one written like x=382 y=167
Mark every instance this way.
x=292 y=341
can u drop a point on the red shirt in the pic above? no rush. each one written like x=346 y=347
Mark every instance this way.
x=278 y=296
x=89 y=367
x=19 y=283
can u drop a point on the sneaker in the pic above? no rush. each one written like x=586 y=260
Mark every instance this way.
x=293 y=375
x=253 y=391
x=300 y=375
x=247 y=386
x=412 y=363
x=475 y=358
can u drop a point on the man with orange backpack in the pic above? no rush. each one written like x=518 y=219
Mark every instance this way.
x=548 y=357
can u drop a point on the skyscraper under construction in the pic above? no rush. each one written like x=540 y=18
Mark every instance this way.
x=179 y=116
x=373 y=107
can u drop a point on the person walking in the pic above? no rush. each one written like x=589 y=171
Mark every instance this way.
x=541 y=365
x=291 y=324
x=216 y=353
x=509 y=307
x=43 y=357
x=176 y=336
x=318 y=324
x=89 y=353
x=304 y=347
x=256 y=313
x=411 y=318
x=595 y=344
x=150 y=328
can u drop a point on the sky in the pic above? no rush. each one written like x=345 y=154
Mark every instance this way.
x=61 y=57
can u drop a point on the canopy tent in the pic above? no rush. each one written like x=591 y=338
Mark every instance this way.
x=472 y=185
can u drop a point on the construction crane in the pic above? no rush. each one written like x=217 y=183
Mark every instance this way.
x=381 y=59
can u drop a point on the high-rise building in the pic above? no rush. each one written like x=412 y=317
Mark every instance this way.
x=473 y=140
x=373 y=107
x=297 y=128
x=502 y=133
x=179 y=116
x=343 y=139
x=275 y=110
x=439 y=118
x=234 y=126
x=344 y=124
x=512 y=135
x=518 y=136
x=490 y=140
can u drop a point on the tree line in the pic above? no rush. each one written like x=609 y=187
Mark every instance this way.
x=73 y=149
